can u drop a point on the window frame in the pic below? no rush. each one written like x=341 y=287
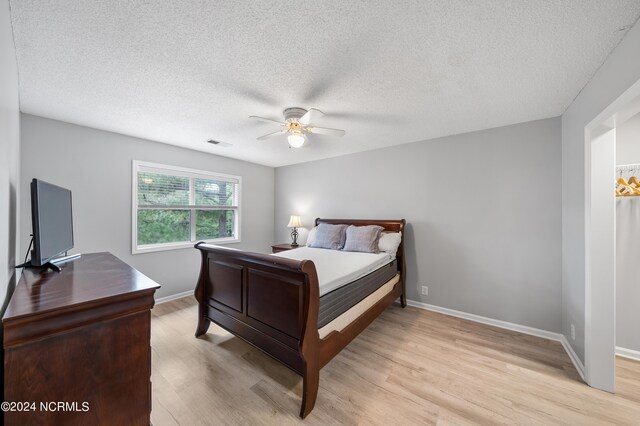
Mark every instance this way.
x=191 y=174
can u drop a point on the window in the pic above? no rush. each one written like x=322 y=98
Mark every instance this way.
x=174 y=207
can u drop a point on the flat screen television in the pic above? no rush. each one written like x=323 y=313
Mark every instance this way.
x=52 y=221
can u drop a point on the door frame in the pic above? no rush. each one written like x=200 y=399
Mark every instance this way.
x=600 y=292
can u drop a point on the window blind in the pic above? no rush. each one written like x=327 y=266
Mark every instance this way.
x=156 y=190
x=175 y=206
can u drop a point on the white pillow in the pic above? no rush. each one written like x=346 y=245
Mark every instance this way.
x=312 y=236
x=389 y=242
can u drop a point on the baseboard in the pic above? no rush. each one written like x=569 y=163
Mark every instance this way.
x=489 y=321
x=628 y=353
x=574 y=357
x=558 y=337
x=173 y=297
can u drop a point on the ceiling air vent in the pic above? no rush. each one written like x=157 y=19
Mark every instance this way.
x=218 y=143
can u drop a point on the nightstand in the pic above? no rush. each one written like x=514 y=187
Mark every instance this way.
x=283 y=247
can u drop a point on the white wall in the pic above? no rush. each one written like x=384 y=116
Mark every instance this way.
x=628 y=141
x=602 y=246
x=628 y=273
x=620 y=71
x=627 y=244
x=9 y=156
x=96 y=166
x=483 y=212
x=9 y=163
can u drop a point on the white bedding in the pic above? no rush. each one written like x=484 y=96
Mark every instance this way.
x=336 y=268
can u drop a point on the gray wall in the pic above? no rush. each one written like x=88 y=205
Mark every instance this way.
x=96 y=166
x=9 y=156
x=483 y=208
x=617 y=74
x=628 y=141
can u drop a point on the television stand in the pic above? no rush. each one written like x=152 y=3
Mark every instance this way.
x=48 y=265
x=52 y=264
x=65 y=259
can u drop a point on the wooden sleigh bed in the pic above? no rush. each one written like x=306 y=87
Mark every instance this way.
x=272 y=303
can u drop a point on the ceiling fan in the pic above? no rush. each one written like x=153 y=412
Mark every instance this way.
x=298 y=122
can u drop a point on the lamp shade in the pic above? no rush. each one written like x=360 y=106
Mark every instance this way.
x=295 y=222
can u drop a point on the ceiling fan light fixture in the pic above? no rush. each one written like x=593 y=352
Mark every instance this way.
x=297 y=123
x=296 y=140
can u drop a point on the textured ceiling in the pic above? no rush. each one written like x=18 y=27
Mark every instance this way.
x=388 y=72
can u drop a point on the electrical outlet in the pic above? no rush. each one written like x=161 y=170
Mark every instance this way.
x=573 y=332
x=425 y=290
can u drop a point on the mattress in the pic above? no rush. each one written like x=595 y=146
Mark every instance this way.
x=346 y=318
x=336 y=268
x=340 y=300
x=345 y=278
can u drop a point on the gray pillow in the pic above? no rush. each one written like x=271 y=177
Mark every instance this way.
x=329 y=236
x=363 y=238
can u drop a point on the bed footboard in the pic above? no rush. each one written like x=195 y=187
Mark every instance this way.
x=270 y=302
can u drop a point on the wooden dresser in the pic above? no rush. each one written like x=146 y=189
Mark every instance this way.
x=77 y=345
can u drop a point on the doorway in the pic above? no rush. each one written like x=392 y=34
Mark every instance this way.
x=600 y=239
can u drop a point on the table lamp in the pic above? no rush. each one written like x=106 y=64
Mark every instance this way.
x=294 y=222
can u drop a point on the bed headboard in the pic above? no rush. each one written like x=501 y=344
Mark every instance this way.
x=388 y=225
x=396 y=225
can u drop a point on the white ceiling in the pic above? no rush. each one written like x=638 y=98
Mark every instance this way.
x=388 y=73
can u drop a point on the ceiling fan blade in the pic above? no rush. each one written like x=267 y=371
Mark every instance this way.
x=327 y=131
x=270 y=135
x=267 y=120
x=310 y=116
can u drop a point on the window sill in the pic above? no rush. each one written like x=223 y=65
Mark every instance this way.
x=178 y=246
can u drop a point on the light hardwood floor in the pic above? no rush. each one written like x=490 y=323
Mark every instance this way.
x=409 y=367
